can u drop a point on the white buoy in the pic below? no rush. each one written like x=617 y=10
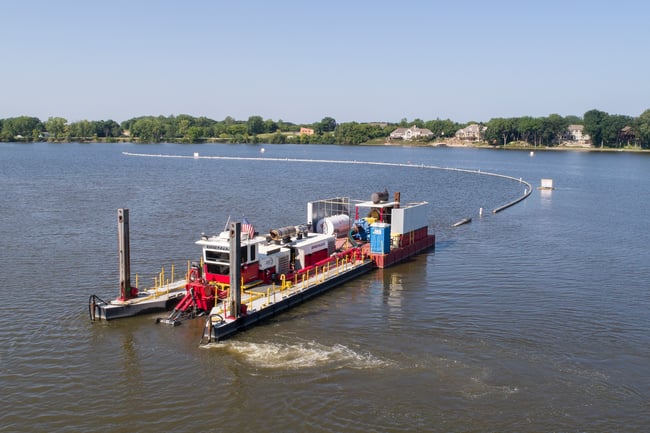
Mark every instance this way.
x=480 y=212
x=546 y=184
x=532 y=153
x=196 y=155
x=262 y=150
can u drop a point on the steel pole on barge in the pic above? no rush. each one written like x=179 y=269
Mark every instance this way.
x=235 y=270
x=124 y=253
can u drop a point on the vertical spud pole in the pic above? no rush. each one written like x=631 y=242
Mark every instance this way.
x=235 y=269
x=124 y=253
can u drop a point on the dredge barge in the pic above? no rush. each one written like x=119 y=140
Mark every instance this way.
x=244 y=277
x=340 y=241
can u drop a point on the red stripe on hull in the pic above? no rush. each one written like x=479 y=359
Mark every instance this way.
x=420 y=243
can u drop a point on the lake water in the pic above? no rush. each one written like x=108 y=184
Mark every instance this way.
x=533 y=319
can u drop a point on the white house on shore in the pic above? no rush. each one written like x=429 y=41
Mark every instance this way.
x=410 y=133
x=577 y=135
x=473 y=132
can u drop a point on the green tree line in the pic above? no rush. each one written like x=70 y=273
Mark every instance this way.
x=606 y=130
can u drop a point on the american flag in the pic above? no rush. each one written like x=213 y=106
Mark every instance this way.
x=247 y=227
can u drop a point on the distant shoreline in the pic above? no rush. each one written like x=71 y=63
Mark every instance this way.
x=473 y=145
x=483 y=145
x=548 y=148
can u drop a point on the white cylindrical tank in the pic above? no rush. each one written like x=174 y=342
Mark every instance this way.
x=337 y=225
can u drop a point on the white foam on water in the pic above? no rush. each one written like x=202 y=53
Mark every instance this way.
x=301 y=355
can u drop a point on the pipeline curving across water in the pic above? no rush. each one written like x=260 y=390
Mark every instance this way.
x=527 y=190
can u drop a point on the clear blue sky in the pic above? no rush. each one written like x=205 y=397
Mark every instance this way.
x=300 y=61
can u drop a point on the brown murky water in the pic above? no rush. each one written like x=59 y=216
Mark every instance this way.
x=533 y=319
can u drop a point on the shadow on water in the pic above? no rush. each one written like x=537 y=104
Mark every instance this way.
x=443 y=245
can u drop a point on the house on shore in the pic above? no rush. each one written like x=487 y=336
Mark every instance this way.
x=473 y=132
x=576 y=135
x=411 y=133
